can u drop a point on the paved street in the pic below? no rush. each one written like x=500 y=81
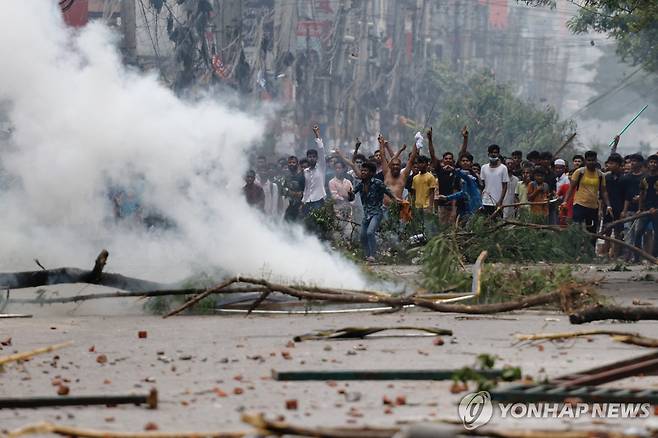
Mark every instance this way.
x=210 y=369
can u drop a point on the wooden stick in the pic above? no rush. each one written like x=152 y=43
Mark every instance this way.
x=45 y=427
x=612 y=224
x=259 y=300
x=201 y=296
x=535 y=226
x=360 y=375
x=640 y=341
x=28 y=354
x=150 y=399
x=149 y=294
x=94 y=276
x=567 y=335
x=633 y=248
x=519 y=204
x=565 y=144
x=282 y=428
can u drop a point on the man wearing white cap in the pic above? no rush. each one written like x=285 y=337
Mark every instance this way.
x=561 y=177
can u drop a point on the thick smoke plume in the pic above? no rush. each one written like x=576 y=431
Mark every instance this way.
x=82 y=123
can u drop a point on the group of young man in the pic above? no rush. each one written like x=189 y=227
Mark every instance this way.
x=540 y=188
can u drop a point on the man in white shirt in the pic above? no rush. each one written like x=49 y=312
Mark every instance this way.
x=495 y=177
x=314 y=176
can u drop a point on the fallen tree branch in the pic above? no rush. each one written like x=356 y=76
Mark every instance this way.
x=19 y=280
x=439 y=303
x=337 y=295
x=567 y=335
x=633 y=248
x=95 y=275
x=44 y=428
x=613 y=224
x=520 y=204
x=557 y=228
x=640 y=341
x=392 y=301
x=600 y=312
x=28 y=354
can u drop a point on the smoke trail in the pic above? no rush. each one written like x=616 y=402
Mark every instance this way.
x=83 y=123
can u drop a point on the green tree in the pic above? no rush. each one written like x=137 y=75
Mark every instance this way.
x=633 y=23
x=493 y=114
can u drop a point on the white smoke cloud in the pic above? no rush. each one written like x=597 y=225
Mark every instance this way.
x=80 y=119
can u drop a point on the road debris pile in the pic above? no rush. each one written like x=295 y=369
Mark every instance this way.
x=567 y=295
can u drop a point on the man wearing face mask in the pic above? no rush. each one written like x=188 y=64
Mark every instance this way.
x=293 y=190
x=495 y=177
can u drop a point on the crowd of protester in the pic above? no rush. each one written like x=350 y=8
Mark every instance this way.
x=538 y=188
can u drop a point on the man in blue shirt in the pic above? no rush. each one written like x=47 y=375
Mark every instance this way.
x=469 y=194
x=372 y=191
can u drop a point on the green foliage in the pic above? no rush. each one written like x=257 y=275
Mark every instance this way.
x=493 y=114
x=516 y=282
x=485 y=362
x=522 y=244
x=323 y=221
x=442 y=270
x=440 y=266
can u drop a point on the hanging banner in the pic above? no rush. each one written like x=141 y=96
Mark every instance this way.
x=76 y=12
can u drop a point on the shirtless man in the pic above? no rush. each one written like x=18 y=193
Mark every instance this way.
x=395 y=177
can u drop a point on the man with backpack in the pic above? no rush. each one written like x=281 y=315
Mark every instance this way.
x=587 y=187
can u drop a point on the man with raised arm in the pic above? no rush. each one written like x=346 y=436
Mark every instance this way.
x=395 y=177
x=314 y=176
x=445 y=172
x=372 y=192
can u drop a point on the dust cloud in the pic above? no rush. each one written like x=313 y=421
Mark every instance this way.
x=83 y=124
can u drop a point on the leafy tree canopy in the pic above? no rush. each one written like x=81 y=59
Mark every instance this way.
x=493 y=114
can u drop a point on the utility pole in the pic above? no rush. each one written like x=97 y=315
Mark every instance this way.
x=228 y=21
x=129 y=31
x=457 y=39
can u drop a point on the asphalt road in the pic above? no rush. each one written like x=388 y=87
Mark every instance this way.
x=210 y=369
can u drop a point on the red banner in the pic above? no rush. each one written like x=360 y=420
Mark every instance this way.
x=76 y=12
